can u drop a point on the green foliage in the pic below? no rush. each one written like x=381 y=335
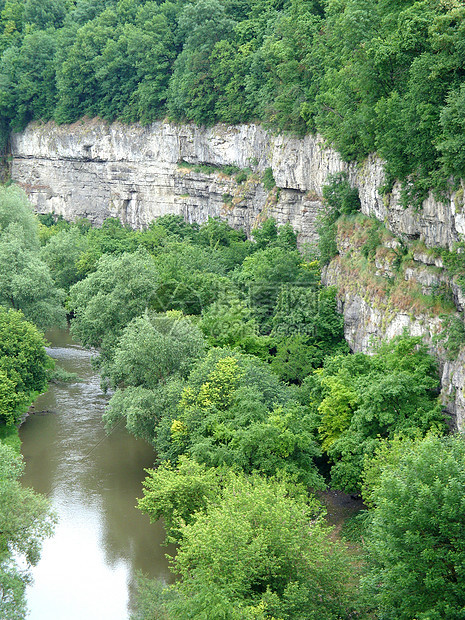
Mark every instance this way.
x=16 y=213
x=354 y=527
x=191 y=90
x=216 y=232
x=234 y=564
x=60 y=375
x=414 y=541
x=451 y=142
x=144 y=409
x=242 y=176
x=235 y=412
x=268 y=180
x=228 y=170
x=340 y=199
x=62 y=254
x=263 y=274
x=178 y=493
x=10 y=437
x=361 y=399
x=369 y=76
x=25 y=521
x=177 y=226
x=153 y=348
x=23 y=365
x=44 y=13
x=310 y=311
x=152 y=596
x=26 y=283
x=229 y=323
x=373 y=241
x=25 y=280
x=120 y=289
x=327 y=246
x=452 y=335
x=307 y=328
x=269 y=235
x=111 y=238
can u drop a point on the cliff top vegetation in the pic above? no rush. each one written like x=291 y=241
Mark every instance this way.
x=371 y=76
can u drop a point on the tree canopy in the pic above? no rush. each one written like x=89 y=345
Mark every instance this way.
x=370 y=76
x=25 y=520
x=416 y=550
x=228 y=356
x=234 y=564
x=25 y=280
x=23 y=364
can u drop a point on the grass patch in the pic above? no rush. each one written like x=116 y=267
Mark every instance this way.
x=60 y=375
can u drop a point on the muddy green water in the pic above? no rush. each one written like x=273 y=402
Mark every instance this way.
x=87 y=569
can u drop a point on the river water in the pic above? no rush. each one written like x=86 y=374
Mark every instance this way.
x=87 y=569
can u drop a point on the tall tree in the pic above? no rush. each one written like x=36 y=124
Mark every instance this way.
x=25 y=280
x=234 y=564
x=416 y=551
x=121 y=288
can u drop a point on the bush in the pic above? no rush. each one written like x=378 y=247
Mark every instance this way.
x=268 y=180
x=415 y=539
x=340 y=196
x=340 y=199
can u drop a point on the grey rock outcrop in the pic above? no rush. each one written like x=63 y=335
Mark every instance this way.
x=370 y=319
x=94 y=169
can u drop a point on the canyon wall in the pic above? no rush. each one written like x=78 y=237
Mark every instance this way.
x=96 y=170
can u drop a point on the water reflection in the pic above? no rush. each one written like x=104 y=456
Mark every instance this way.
x=87 y=568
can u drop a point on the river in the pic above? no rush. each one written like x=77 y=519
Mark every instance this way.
x=87 y=569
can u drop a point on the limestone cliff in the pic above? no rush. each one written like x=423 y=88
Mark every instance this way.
x=388 y=287
x=96 y=170
x=93 y=169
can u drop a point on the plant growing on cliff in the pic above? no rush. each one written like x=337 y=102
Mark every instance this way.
x=452 y=335
x=340 y=199
x=268 y=180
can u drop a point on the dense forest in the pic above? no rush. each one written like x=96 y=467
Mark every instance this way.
x=383 y=76
x=227 y=356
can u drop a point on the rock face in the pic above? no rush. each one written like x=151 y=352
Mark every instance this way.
x=96 y=170
x=381 y=299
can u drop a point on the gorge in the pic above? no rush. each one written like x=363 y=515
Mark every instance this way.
x=97 y=170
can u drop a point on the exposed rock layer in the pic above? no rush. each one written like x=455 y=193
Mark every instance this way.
x=382 y=297
x=96 y=170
